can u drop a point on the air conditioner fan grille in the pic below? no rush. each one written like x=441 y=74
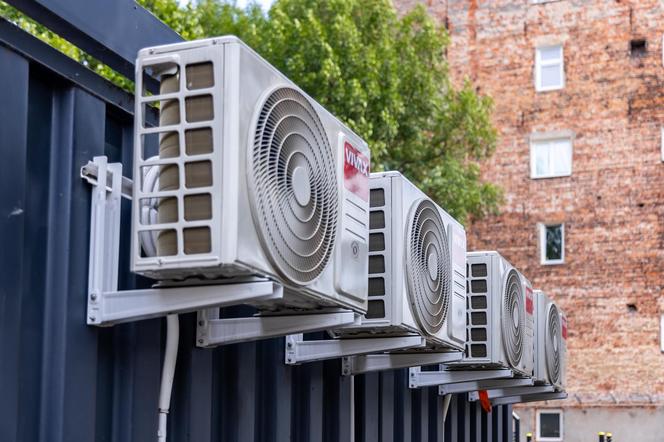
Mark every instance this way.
x=293 y=186
x=428 y=267
x=553 y=343
x=512 y=319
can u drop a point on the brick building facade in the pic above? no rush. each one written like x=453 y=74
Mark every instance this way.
x=595 y=125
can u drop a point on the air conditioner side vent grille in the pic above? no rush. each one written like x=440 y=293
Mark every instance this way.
x=378 y=237
x=478 y=313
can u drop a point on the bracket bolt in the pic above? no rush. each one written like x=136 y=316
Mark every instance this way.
x=93 y=297
x=201 y=323
x=289 y=344
x=200 y=341
x=93 y=318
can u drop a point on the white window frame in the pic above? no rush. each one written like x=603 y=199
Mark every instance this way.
x=661 y=333
x=562 y=422
x=542 y=243
x=539 y=64
x=534 y=142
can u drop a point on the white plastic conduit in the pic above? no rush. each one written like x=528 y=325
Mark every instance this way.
x=167 y=373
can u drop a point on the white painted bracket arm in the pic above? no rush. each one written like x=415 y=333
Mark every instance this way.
x=489 y=384
x=90 y=173
x=213 y=331
x=352 y=365
x=418 y=378
x=299 y=351
x=110 y=308
x=529 y=398
x=514 y=391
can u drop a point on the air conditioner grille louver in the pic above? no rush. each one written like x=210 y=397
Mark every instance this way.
x=428 y=267
x=294 y=186
x=553 y=344
x=512 y=319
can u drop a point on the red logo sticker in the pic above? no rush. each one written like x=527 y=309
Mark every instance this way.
x=564 y=328
x=530 y=305
x=356 y=171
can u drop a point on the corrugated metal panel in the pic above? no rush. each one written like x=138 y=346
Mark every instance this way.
x=61 y=380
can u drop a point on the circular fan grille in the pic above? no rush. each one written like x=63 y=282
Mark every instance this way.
x=513 y=318
x=293 y=186
x=428 y=267
x=552 y=347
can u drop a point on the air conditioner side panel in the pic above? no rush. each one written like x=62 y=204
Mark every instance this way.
x=455 y=329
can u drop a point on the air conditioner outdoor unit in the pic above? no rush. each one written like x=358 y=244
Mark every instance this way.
x=550 y=342
x=500 y=318
x=254 y=178
x=417 y=265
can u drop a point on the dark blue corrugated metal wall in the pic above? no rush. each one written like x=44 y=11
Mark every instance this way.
x=61 y=380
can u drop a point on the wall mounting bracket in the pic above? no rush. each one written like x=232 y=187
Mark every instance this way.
x=299 y=351
x=352 y=365
x=535 y=397
x=212 y=330
x=418 y=378
x=514 y=391
x=489 y=384
x=108 y=306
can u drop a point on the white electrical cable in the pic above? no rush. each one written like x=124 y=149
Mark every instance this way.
x=446 y=406
x=167 y=373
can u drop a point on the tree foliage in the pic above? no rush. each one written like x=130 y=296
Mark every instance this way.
x=384 y=75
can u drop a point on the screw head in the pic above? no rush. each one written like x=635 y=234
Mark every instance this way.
x=93 y=297
x=201 y=323
x=200 y=341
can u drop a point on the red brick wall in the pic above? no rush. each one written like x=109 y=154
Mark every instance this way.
x=612 y=204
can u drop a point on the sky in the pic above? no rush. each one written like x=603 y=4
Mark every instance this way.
x=241 y=3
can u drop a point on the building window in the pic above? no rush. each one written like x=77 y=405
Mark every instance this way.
x=549 y=68
x=552 y=243
x=549 y=425
x=550 y=158
x=638 y=48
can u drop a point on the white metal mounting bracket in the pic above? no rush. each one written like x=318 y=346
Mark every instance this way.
x=299 y=351
x=489 y=384
x=212 y=331
x=108 y=306
x=352 y=365
x=534 y=397
x=418 y=378
x=514 y=391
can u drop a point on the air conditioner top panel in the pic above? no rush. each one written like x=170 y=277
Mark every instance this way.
x=414 y=188
x=147 y=55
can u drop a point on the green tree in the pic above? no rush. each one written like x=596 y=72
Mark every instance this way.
x=385 y=76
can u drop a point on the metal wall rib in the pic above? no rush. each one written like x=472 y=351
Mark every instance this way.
x=61 y=380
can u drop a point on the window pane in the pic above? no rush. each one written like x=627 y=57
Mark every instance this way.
x=541 y=152
x=560 y=157
x=554 y=242
x=550 y=54
x=549 y=424
x=550 y=76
